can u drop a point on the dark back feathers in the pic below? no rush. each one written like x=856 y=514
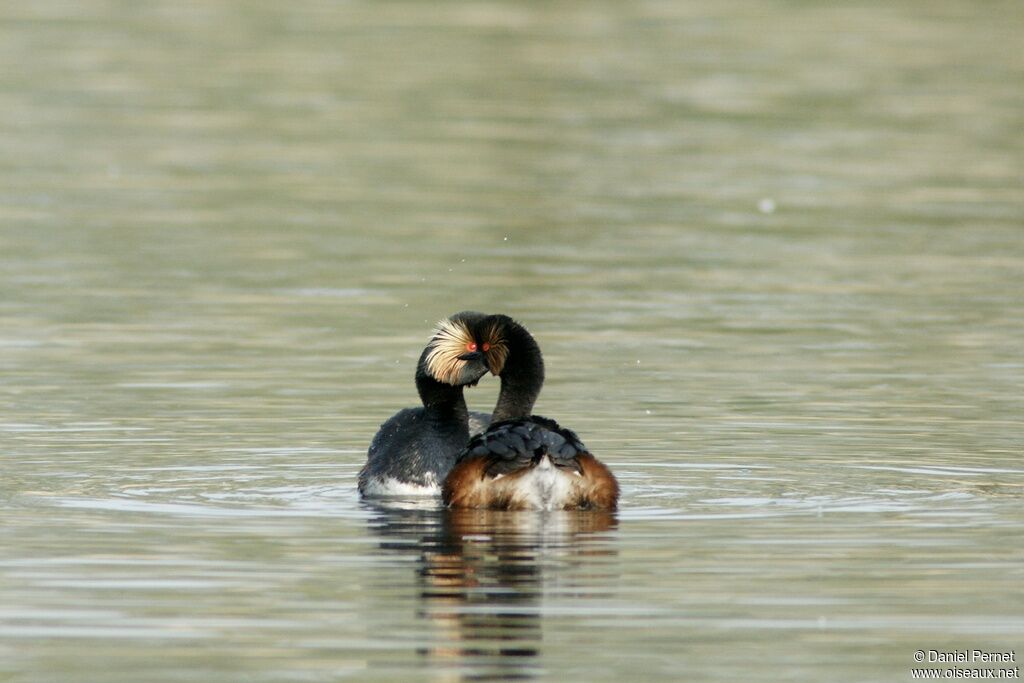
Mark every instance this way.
x=519 y=443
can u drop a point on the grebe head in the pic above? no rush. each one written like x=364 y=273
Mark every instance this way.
x=460 y=352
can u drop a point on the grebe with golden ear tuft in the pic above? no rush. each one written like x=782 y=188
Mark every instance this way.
x=414 y=450
x=524 y=461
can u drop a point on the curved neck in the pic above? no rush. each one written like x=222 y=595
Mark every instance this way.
x=523 y=374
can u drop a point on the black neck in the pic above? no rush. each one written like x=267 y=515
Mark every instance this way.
x=440 y=400
x=523 y=374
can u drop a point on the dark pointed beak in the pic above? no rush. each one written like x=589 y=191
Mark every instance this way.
x=473 y=355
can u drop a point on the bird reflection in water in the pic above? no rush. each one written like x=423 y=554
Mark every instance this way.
x=481 y=575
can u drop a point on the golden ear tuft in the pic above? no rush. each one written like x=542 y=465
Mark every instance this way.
x=498 y=352
x=451 y=340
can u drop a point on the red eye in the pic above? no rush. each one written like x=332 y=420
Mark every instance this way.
x=471 y=346
x=487 y=347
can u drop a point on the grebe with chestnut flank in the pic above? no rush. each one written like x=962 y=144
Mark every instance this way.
x=414 y=449
x=523 y=461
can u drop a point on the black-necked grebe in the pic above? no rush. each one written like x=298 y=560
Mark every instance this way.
x=524 y=461
x=414 y=450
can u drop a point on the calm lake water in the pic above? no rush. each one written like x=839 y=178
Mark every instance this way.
x=773 y=251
